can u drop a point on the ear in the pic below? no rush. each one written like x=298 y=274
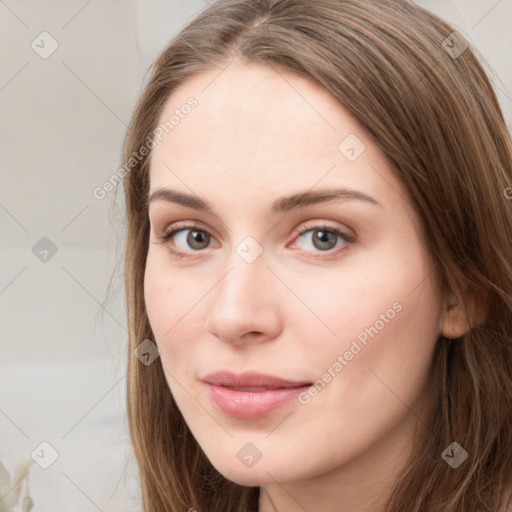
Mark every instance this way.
x=455 y=321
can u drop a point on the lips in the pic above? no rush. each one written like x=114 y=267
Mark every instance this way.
x=248 y=380
x=251 y=395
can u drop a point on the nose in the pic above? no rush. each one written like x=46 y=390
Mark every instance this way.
x=245 y=304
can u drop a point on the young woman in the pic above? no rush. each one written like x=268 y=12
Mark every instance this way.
x=319 y=218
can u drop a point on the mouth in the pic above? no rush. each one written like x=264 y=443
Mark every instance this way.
x=251 y=395
x=251 y=380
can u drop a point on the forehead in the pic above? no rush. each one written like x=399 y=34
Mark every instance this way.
x=261 y=132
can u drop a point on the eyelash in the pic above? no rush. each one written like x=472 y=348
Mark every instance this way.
x=316 y=227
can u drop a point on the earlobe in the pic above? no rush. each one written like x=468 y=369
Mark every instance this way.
x=455 y=321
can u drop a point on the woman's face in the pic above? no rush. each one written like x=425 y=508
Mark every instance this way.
x=265 y=284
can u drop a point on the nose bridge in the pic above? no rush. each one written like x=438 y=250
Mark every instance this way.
x=243 y=302
x=245 y=277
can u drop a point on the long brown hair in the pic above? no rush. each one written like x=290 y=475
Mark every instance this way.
x=428 y=104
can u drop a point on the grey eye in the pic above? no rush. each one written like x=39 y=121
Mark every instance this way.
x=195 y=239
x=324 y=240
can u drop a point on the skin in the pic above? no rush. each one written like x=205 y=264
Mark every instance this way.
x=256 y=135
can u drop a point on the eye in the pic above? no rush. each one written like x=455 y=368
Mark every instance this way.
x=324 y=238
x=186 y=238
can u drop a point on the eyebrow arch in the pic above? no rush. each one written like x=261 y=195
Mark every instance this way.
x=281 y=205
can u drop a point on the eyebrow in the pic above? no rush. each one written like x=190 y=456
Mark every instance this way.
x=281 y=205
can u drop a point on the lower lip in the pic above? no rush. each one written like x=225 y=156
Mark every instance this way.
x=249 y=405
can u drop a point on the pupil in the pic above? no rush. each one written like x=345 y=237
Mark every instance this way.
x=322 y=237
x=196 y=237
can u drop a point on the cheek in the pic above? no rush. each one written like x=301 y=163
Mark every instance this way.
x=386 y=325
x=377 y=292
x=377 y=336
x=166 y=303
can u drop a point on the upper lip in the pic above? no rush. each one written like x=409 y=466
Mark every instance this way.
x=251 y=379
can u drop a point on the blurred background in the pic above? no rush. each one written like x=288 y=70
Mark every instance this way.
x=71 y=72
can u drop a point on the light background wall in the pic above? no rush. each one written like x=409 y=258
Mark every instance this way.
x=62 y=120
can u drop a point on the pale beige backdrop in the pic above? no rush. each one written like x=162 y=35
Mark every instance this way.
x=70 y=74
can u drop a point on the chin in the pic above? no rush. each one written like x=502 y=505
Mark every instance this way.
x=249 y=477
